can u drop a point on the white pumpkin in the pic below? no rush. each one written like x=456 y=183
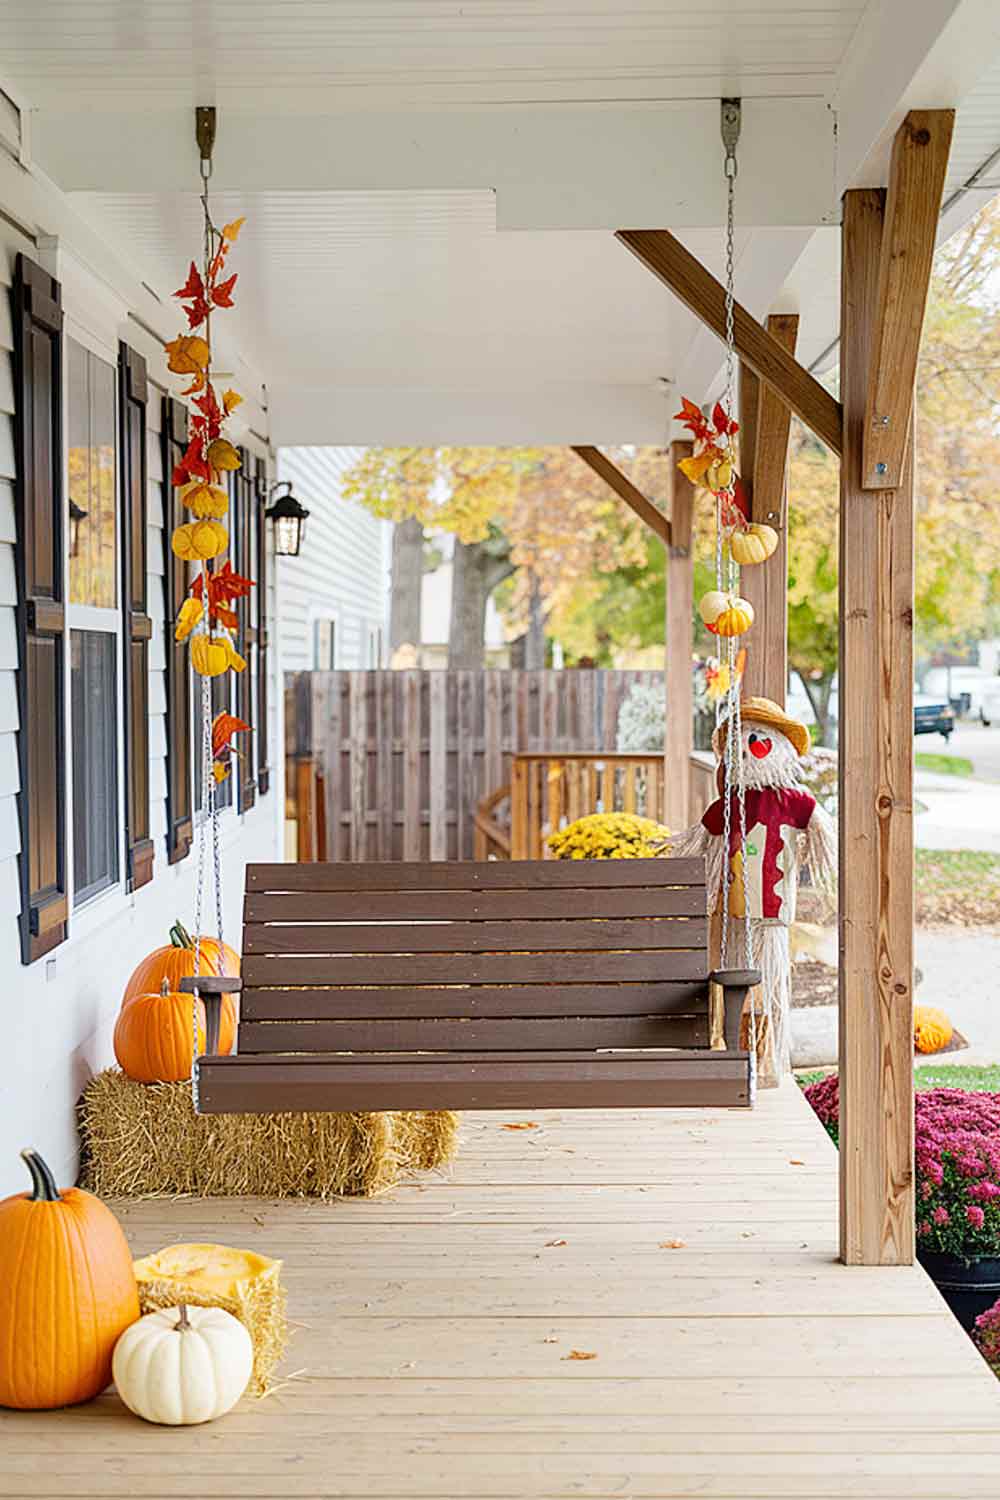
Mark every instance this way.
x=711 y=605
x=183 y=1365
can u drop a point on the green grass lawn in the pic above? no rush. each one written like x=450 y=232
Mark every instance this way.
x=982 y=1080
x=943 y=765
x=957 y=885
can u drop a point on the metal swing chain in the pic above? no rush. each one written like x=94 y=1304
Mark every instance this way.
x=727 y=569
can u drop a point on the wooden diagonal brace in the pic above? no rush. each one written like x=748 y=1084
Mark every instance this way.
x=698 y=289
x=913 y=205
x=772 y=424
x=623 y=486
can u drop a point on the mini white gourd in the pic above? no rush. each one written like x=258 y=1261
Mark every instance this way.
x=183 y=1365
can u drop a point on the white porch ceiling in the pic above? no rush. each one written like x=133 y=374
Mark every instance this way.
x=430 y=184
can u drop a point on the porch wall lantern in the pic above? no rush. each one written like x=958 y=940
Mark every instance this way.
x=289 y=518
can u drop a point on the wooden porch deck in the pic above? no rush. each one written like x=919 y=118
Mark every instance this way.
x=433 y=1353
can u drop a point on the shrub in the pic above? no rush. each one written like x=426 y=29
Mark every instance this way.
x=957 y=1139
x=818 y=773
x=642 y=719
x=609 y=836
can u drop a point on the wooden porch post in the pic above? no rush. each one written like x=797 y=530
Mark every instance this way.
x=765 y=421
x=679 y=689
x=876 y=791
x=888 y=243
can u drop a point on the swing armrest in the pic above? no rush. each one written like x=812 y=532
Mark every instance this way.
x=734 y=984
x=211 y=988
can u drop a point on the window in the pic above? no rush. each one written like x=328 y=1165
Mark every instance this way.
x=92 y=520
x=324 y=645
x=94 y=727
x=374 y=651
x=94 y=621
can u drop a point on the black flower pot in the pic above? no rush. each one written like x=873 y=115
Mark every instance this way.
x=968 y=1286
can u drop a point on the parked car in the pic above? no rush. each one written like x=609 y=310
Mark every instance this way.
x=932 y=715
x=962 y=687
x=989 y=702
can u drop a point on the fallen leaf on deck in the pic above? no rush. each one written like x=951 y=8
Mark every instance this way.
x=521 y=1125
x=793 y=1161
x=554 y=1244
x=550 y=1340
x=673 y=1245
x=578 y=1354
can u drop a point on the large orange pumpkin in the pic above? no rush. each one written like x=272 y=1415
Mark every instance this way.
x=153 y=1036
x=67 y=1293
x=175 y=961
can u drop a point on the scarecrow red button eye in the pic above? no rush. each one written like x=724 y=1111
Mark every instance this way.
x=759 y=746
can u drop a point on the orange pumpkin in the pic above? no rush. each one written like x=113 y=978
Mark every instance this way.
x=67 y=1293
x=174 y=962
x=153 y=1036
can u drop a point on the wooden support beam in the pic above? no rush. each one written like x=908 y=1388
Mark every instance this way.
x=916 y=182
x=679 y=686
x=876 y=793
x=644 y=508
x=773 y=425
x=765 y=421
x=698 y=289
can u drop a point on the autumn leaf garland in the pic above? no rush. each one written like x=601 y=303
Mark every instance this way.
x=206 y=618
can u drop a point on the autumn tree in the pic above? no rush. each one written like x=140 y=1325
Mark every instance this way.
x=538 y=516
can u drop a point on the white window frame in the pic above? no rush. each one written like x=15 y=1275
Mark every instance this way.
x=114 y=898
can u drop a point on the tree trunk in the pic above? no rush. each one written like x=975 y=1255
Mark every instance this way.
x=477 y=568
x=407 y=576
x=534 y=640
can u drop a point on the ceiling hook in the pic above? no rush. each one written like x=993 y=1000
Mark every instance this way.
x=204 y=130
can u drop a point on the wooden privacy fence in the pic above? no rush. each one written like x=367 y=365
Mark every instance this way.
x=386 y=765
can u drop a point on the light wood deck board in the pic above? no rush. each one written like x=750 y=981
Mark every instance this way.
x=433 y=1326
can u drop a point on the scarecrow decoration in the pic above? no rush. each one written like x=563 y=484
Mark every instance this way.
x=753 y=838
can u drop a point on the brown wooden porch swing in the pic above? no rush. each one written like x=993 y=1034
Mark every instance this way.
x=524 y=984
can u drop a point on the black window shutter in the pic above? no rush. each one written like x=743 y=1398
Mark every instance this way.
x=133 y=395
x=41 y=616
x=243 y=532
x=179 y=729
x=259 y=593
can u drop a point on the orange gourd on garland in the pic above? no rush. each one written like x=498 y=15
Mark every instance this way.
x=67 y=1293
x=153 y=1036
x=174 y=962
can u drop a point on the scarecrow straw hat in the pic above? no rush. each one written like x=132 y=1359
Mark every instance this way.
x=763 y=711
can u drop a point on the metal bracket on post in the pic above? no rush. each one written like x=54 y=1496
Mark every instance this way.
x=204 y=130
x=731 y=120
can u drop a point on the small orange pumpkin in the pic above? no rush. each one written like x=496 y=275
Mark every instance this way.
x=932 y=1030
x=174 y=962
x=67 y=1293
x=153 y=1036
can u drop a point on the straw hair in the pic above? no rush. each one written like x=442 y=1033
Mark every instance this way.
x=146 y=1140
x=764 y=711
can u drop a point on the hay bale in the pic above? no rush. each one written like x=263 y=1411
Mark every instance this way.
x=240 y=1282
x=145 y=1139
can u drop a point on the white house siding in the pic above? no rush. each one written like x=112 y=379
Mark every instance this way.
x=60 y=1011
x=342 y=571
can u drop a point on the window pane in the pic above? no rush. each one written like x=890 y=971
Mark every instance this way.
x=93 y=693
x=90 y=424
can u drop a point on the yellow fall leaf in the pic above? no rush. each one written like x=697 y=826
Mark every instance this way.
x=230 y=231
x=187 y=354
x=696 y=466
x=521 y=1125
x=579 y=1354
x=188 y=617
x=230 y=401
